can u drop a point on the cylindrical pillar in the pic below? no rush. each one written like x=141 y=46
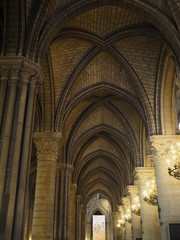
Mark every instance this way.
x=25 y=157
x=123 y=232
x=4 y=74
x=133 y=193
x=121 y=217
x=15 y=113
x=115 y=222
x=167 y=186
x=78 y=218
x=47 y=152
x=127 y=211
x=63 y=201
x=149 y=213
x=6 y=127
x=73 y=189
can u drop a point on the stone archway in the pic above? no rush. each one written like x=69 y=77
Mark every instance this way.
x=98 y=203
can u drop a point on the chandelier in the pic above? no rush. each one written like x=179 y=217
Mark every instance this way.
x=136 y=206
x=174 y=161
x=121 y=221
x=118 y=225
x=150 y=195
x=127 y=216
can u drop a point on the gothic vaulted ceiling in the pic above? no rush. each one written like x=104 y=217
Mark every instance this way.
x=101 y=63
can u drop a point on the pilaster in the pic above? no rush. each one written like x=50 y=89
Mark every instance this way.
x=167 y=186
x=16 y=125
x=127 y=211
x=64 y=184
x=72 y=211
x=115 y=222
x=122 y=227
x=78 y=218
x=133 y=193
x=47 y=145
x=149 y=213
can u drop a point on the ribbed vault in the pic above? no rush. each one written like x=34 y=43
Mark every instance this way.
x=102 y=64
x=96 y=79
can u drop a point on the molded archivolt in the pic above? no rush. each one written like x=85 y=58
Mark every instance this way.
x=102 y=69
x=149 y=13
x=143 y=60
x=116 y=168
x=109 y=19
x=96 y=192
x=66 y=54
x=99 y=115
x=98 y=205
x=99 y=67
x=168 y=115
x=102 y=93
x=106 y=70
x=122 y=158
x=101 y=205
x=105 y=186
x=101 y=144
x=119 y=141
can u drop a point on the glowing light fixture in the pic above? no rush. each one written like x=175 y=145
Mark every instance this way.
x=150 y=195
x=136 y=206
x=127 y=216
x=174 y=161
x=121 y=221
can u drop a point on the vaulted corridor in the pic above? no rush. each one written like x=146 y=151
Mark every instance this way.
x=89 y=120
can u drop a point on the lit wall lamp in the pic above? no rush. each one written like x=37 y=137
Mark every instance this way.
x=136 y=206
x=174 y=161
x=150 y=195
x=127 y=216
x=121 y=221
x=118 y=225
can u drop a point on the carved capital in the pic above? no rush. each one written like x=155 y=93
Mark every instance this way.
x=4 y=72
x=26 y=74
x=73 y=189
x=132 y=191
x=47 y=143
x=114 y=215
x=34 y=82
x=65 y=167
x=144 y=174
x=161 y=147
x=14 y=72
x=126 y=202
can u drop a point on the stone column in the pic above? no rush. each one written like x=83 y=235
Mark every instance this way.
x=83 y=221
x=4 y=74
x=127 y=210
x=133 y=192
x=149 y=213
x=47 y=144
x=123 y=230
x=78 y=218
x=30 y=206
x=72 y=209
x=167 y=186
x=6 y=127
x=115 y=222
x=63 y=202
x=16 y=117
x=119 y=231
x=24 y=169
